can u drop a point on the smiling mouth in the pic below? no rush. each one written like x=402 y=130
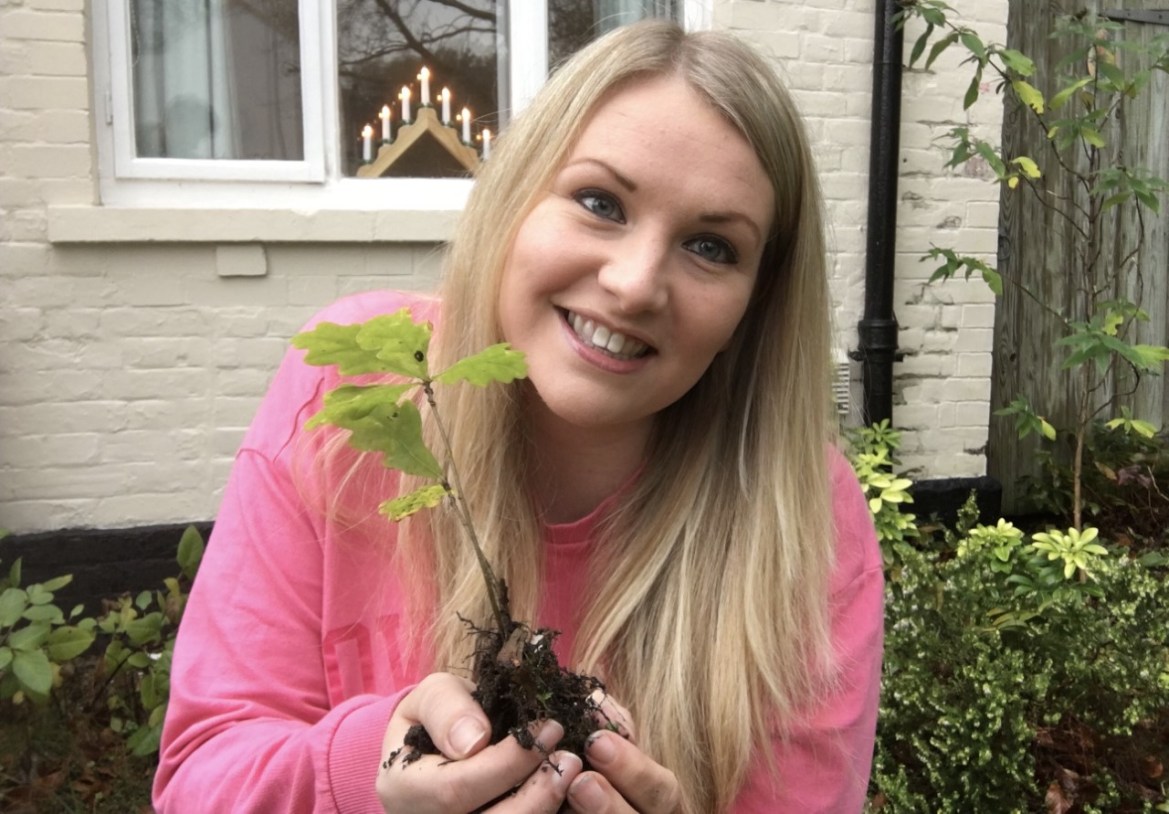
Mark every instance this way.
x=608 y=341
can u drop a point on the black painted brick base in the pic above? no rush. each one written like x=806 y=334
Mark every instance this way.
x=104 y=562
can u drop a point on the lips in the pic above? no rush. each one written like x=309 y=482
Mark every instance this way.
x=604 y=338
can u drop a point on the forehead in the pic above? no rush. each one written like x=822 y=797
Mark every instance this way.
x=661 y=128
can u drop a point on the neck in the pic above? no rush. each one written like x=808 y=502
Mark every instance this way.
x=576 y=468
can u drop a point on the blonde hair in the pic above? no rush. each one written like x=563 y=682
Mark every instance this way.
x=707 y=614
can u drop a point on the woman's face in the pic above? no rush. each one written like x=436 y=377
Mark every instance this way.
x=637 y=265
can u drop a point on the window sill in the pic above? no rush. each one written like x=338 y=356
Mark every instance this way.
x=104 y=224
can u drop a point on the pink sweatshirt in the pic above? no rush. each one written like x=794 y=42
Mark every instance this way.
x=291 y=655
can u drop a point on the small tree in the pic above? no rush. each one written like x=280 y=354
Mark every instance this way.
x=1099 y=75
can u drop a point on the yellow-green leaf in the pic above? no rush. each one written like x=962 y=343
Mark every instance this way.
x=1047 y=430
x=1028 y=166
x=1061 y=98
x=399 y=342
x=425 y=498
x=498 y=363
x=332 y=344
x=1029 y=94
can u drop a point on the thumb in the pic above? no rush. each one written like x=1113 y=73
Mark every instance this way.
x=454 y=720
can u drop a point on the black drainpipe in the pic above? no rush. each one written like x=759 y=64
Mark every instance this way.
x=877 y=331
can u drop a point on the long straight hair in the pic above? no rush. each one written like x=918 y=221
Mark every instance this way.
x=707 y=611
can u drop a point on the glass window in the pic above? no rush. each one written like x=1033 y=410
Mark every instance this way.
x=228 y=92
x=216 y=79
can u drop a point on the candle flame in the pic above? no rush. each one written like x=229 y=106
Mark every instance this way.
x=405 y=94
x=366 y=131
x=425 y=73
x=385 y=112
x=446 y=93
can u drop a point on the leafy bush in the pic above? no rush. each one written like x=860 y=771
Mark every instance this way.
x=88 y=741
x=1022 y=673
x=138 y=657
x=35 y=637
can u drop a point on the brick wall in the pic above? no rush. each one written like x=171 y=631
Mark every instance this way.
x=129 y=370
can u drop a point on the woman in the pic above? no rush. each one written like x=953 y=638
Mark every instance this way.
x=662 y=488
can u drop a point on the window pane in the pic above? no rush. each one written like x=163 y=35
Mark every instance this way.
x=383 y=46
x=572 y=24
x=217 y=79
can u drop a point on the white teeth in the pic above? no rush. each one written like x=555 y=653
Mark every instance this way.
x=605 y=339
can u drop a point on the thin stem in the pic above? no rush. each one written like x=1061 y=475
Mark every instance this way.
x=494 y=594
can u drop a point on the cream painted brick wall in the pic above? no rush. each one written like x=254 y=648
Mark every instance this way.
x=130 y=372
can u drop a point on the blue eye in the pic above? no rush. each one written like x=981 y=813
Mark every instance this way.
x=600 y=204
x=713 y=249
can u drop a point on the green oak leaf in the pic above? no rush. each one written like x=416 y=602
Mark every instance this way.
x=400 y=343
x=332 y=344
x=396 y=431
x=350 y=403
x=425 y=498
x=498 y=363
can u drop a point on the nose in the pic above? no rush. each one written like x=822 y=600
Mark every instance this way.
x=635 y=273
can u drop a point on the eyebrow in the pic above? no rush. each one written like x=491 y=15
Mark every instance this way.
x=623 y=180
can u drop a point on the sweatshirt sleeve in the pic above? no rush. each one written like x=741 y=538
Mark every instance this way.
x=824 y=762
x=250 y=726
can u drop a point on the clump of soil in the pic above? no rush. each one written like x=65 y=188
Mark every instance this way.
x=519 y=682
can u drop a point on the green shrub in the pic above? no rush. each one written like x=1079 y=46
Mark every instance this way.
x=36 y=639
x=1022 y=673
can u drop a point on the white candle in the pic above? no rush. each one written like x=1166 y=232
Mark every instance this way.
x=405 y=94
x=486 y=143
x=367 y=144
x=466 y=126
x=446 y=106
x=384 y=115
x=425 y=77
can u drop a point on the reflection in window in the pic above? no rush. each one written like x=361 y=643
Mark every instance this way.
x=572 y=24
x=382 y=47
x=216 y=79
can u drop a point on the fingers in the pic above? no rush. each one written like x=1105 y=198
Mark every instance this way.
x=545 y=789
x=613 y=716
x=443 y=704
x=625 y=780
x=435 y=785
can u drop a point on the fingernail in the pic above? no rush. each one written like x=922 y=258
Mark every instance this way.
x=549 y=734
x=600 y=749
x=465 y=736
x=567 y=766
x=586 y=792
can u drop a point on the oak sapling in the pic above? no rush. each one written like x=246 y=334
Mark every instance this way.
x=519 y=680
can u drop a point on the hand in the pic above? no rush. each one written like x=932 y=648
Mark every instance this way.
x=468 y=774
x=625 y=778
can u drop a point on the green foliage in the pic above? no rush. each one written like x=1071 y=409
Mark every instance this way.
x=872 y=451
x=36 y=638
x=1099 y=73
x=141 y=632
x=382 y=417
x=1022 y=673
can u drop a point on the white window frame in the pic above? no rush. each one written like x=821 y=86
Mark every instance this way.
x=315 y=182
